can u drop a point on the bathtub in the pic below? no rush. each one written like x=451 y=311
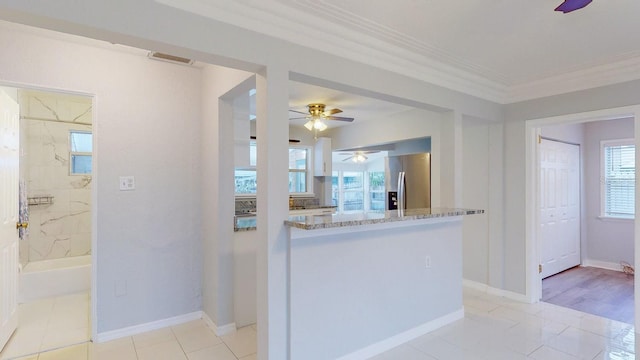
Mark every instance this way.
x=56 y=277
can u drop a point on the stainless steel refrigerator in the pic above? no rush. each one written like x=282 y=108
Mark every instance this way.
x=408 y=181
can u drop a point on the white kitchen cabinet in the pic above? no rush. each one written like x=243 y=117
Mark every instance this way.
x=322 y=157
x=241 y=130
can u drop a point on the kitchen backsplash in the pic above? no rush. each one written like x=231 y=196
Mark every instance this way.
x=244 y=205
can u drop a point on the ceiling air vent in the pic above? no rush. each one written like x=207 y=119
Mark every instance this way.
x=170 y=58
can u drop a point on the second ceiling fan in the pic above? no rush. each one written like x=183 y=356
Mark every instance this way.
x=572 y=5
x=317 y=115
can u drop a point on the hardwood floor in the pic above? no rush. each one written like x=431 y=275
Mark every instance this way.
x=596 y=291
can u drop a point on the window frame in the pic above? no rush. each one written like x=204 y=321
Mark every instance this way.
x=308 y=170
x=79 y=153
x=366 y=191
x=603 y=178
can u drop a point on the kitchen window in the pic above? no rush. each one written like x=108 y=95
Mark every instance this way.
x=299 y=172
x=618 y=174
x=80 y=152
x=354 y=191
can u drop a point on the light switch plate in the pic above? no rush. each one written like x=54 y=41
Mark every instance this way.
x=127 y=183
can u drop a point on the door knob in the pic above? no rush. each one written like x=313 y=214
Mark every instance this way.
x=22 y=225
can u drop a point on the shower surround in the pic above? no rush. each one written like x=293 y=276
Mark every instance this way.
x=63 y=227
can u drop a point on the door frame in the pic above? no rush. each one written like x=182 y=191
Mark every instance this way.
x=532 y=131
x=94 y=189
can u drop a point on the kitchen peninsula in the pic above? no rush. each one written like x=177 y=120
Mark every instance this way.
x=364 y=283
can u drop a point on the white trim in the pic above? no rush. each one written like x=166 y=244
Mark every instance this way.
x=602 y=264
x=150 y=326
x=395 y=51
x=582 y=79
x=369 y=46
x=399 y=339
x=219 y=330
x=615 y=219
x=495 y=291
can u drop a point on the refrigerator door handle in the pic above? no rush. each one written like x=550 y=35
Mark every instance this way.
x=401 y=190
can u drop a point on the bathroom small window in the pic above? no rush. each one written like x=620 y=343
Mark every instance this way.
x=80 y=152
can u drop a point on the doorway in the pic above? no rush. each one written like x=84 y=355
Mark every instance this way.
x=55 y=199
x=600 y=250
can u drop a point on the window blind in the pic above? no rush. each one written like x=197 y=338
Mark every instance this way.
x=619 y=181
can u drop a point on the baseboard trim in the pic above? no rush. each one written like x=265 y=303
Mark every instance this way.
x=150 y=326
x=397 y=340
x=219 y=330
x=494 y=291
x=602 y=264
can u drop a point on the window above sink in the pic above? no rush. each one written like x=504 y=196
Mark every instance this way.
x=300 y=172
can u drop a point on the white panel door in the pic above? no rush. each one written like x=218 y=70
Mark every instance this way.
x=559 y=206
x=8 y=217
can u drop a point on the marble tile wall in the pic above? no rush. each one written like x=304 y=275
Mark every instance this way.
x=62 y=228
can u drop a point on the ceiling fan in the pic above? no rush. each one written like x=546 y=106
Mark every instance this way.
x=357 y=156
x=317 y=115
x=571 y=5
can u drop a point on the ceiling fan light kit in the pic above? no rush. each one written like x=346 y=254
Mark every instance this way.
x=571 y=5
x=316 y=124
x=318 y=115
x=359 y=158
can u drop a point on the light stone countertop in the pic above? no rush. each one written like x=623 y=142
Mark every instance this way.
x=314 y=222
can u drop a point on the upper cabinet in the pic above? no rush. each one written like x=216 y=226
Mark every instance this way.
x=322 y=157
x=242 y=126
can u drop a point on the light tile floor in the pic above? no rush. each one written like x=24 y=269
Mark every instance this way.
x=190 y=341
x=494 y=328
x=50 y=324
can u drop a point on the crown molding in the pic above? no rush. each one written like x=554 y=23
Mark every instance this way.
x=368 y=42
x=284 y=22
x=583 y=79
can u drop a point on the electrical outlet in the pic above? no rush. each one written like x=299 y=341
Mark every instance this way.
x=127 y=183
x=427 y=262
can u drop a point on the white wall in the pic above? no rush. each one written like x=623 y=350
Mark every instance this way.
x=357 y=288
x=410 y=124
x=475 y=195
x=608 y=240
x=216 y=169
x=146 y=113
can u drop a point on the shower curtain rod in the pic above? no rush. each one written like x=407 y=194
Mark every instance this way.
x=53 y=120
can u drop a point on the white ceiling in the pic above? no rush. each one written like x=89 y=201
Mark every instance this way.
x=501 y=50
x=358 y=107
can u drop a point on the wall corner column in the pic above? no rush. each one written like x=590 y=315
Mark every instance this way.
x=272 y=130
x=451 y=159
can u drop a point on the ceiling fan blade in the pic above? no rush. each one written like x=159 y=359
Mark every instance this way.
x=299 y=112
x=371 y=152
x=298 y=118
x=344 y=153
x=348 y=158
x=332 y=111
x=339 y=118
x=571 y=5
